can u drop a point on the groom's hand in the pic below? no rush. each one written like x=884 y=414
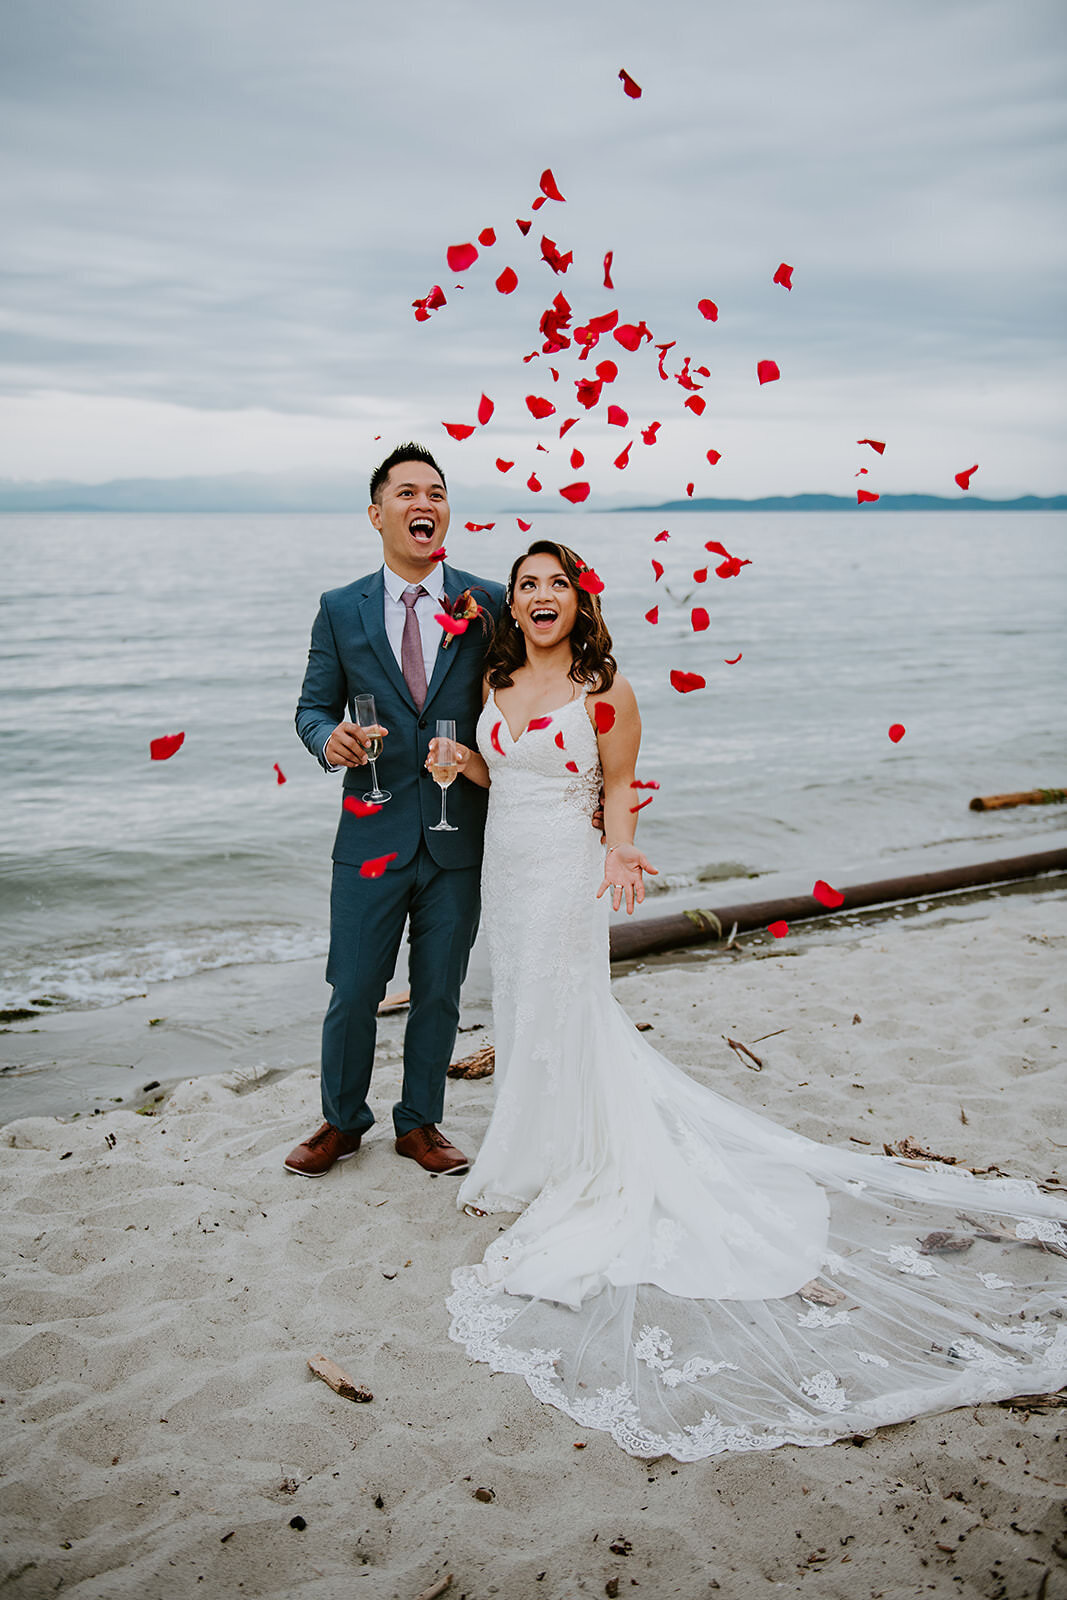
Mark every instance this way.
x=346 y=746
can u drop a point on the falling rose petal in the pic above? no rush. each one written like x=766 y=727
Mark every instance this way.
x=696 y=404
x=525 y=526
x=508 y=281
x=652 y=616
x=683 y=377
x=862 y=473
x=458 y=430
x=502 y=465
x=487 y=237
x=827 y=896
x=632 y=89
x=559 y=740
x=575 y=492
x=896 y=732
x=964 y=478
x=700 y=619
x=623 y=457
x=538 y=407
x=641 y=804
x=718 y=549
x=606 y=371
x=767 y=371
x=281 y=775
x=454 y=625
x=714 y=457
x=608 y=259
x=479 y=527
x=875 y=444
x=731 y=661
x=663 y=348
x=438 y=554
x=705 y=372
x=545 y=448
x=630 y=335
x=537 y=723
x=603 y=716
x=731 y=567
x=533 y=484
x=436 y=298
x=708 y=309
x=358 y=807
x=865 y=497
x=533 y=356
x=649 y=434
x=700 y=575
x=784 y=275
x=661 y=538
x=536 y=205
x=375 y=867
x=588 y=391
x=686 y=682
x=485 y=409
x=617 y=417
x=523 y=227
x=577 y=459
x=549 y=186
x=167 y=745
x=689 y=489
x=590 y=582
x=778 y=929
x=461 y=256
x=494 y=738
x=551 y=254
x=657 y=568
x=565 y=427
x=572 y=766
x=644 y=783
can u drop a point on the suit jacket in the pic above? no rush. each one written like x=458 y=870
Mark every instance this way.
x=350 y=654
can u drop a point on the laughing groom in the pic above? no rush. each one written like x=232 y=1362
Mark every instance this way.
x=379 y=636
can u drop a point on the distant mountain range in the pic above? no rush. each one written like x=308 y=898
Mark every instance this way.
x=346 y=492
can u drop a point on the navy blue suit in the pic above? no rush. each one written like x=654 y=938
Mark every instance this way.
x=434 y=881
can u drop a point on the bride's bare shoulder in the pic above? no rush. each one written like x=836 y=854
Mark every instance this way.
x=620 y=697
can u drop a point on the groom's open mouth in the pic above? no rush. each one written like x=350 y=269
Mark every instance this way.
x=422 y=529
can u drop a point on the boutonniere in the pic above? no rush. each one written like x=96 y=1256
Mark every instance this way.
x=458 y=615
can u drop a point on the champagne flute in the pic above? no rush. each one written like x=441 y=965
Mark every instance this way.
x=443 y=769
x=367 y=717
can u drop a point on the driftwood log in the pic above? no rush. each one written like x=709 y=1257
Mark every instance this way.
x=479 y=1065
x=337 y=1379
x=1032 y=797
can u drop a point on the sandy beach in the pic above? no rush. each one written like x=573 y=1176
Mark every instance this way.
x=165 y=1283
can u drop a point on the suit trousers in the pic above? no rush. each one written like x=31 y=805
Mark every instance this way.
x=367 y=917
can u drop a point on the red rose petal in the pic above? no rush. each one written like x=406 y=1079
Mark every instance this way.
x=663 y=348
x=696 y=403
x=487 y=237
x=718 y=549
x=644 y=783
x=508 y=281
x=479 y=527
x=525 y=526
x=649 y=434
x=375 y=867
x=559 y=740
x=632 y=89
x=686 y=682
x=630 y=335
x=603 y=716
x=549 y=186
x=896 y=732
x=538 y=722
x=572 y=766
x=689 y=489
x=607 y=371
x=778 y=929
x=458 y=430
x=538 y=407
x=784 y=275
x=485 y=409
x=964 y=478
x=653 y=615
x=641 y=804
x=708 y=309
x=827 y=896
x=494 y=738
x=608 y=259
x=731 y=567
x=731 y=661
x=452 y=625
x=588 y=391
x=438 y=554
x=661 y=537
x=435 y=299
x=551 y=254
x=575 y=492
x=533 y=483
x=865 y=497
x=565 y=427
x=281 y=775
x=862 y=473
x=700 y=619
x=535 y=205
x=714 y=457
x=767 y=371
x=657 y=568
x=577 y=459
x=617 y=417
x=523 y=227
x=590 y=582
x=875 y=444
x=502 y=465
x=623 y=457
x=167 y=745
x=461 y=256
x=700 y=575
x=358 y=807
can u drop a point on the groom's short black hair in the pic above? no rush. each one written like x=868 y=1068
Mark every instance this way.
x=403 y=452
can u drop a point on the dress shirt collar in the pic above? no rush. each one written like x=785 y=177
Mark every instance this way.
x=433 y=583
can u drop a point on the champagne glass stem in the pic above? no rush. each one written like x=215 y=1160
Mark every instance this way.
x=444 y=797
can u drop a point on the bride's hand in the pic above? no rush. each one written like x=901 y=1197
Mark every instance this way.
x=461 y=755
x=623 y=866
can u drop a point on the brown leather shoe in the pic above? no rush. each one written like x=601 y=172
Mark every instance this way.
x=429 y=1147
x=316 y=1155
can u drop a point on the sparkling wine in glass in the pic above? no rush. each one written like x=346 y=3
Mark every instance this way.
x=443 y=769
x=367 y=717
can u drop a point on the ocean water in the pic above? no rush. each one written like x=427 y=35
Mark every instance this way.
x=117 y=872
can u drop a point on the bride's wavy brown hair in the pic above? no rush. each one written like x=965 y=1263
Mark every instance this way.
x=592 y=663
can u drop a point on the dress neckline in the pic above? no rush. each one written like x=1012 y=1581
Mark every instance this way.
x=578 y=699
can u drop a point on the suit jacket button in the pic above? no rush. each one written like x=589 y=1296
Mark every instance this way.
x=422 y=722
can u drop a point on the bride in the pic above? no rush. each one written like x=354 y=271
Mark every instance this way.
x=685 y=1274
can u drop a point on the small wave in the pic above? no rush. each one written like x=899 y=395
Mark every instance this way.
x=712 y=872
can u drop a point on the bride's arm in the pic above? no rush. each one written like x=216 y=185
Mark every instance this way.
x=619 y=746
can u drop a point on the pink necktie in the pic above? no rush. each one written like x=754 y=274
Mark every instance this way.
x=412 y=663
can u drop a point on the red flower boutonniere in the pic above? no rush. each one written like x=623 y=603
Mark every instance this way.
x=464 y=608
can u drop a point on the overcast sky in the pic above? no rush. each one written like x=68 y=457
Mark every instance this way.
x=217 y=216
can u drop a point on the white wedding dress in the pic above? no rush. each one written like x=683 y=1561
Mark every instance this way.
x=685 y=1274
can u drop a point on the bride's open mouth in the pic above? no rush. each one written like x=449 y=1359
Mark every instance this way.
x=422 y=529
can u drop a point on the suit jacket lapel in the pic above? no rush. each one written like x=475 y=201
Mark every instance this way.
x=372 y=616
x=445 y=657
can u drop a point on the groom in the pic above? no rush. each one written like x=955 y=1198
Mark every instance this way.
x=379 y=636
